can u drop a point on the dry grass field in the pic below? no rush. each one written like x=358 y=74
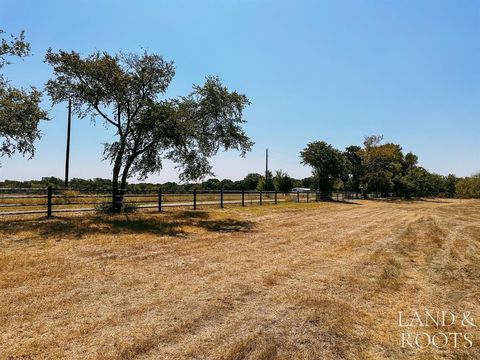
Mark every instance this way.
x=292 y=281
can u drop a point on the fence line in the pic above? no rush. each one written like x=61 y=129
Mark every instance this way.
x=49 y=200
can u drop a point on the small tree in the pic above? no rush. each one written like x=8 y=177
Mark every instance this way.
x=250 y=181
x=20 y=110
x=327 y=163
x=282 y=182
x=124 y=91
x=262 y=185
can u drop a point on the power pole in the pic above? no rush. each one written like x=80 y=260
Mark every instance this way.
x=67 y=157
x=266 y=170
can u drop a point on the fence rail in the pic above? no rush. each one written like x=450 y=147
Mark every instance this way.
x=14 y=201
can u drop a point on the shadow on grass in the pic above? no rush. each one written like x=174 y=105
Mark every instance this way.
x=228 y=225
x=346 y=202
x=438 y=201
x=171 y=224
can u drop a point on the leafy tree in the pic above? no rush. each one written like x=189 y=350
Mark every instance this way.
x=212 y=184
x=16 y=46
x=20 y=110
x=411 y=161
x=353 y=156
x=450 y=185
x=327 y=163
x=469 y=187
x=383 y=166
x=422 y=183
x=282 y=182
x=261 y=185
x=308 y=182
x=250 y=181
x=124 y=91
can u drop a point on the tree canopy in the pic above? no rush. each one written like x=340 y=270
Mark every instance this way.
x=326 y=161
x=20 y=111
x=375 y=167
x=126 y=91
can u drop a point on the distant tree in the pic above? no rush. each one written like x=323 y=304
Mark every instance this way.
x=450 y=185
x=354 y=164
x=327 y=163
x=372 y=140
x=411 y=161
x=124 y=91
x=261 y=185
x=282 y=182
x=212 y=184
x=250 y=181
x=420 y=182
x=383 y=165
x=227 y=184
x=20 y=110
x=469 y=187
x=51 y=181
x=308 y=182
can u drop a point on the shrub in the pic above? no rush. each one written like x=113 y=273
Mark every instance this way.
x=107 y=208
x=469 y=187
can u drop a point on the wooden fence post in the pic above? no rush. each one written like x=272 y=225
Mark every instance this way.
x=307 y=196
x=159 y=199
x=194 y=199
x=221 y=198
x=260 y=197
x=243 y=197
x=275 y=198
x=298 y=196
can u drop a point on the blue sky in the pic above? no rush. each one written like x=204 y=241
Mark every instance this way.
x=313 y=70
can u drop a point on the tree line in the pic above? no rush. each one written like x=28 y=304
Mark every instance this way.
x=127 y=92
x=380 y=167
x=421 y=183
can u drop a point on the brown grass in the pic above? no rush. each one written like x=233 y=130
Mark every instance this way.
x=292 y=281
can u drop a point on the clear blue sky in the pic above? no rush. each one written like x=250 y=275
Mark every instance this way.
x=313 y=70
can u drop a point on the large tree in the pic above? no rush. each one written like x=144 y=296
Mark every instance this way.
x=383 y=165
x=125 y=91
x=327 y=163
x=354 y=164
x=20 y=110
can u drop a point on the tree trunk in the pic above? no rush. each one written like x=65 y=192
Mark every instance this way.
x=116 y=201
x=117 y=193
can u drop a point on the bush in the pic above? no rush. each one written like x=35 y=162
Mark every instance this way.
x=107 y=208
x=469 y=187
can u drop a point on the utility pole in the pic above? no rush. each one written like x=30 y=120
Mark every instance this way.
x=266 y=170
x=67 y=157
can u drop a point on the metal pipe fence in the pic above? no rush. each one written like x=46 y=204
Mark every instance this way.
x=51 y=200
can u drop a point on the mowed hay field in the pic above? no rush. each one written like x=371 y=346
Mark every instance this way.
x=292 y=281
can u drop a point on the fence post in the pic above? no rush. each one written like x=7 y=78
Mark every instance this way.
x=221 y=198
x=275 y=198
x=307 y=195
x=298 y=196
x=159 y=199
x=337 y=195
x=243 y=197
x=194 y=199
x=260 y=197
x=49 y=202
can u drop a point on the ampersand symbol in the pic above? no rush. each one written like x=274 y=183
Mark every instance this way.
x=467 y=320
